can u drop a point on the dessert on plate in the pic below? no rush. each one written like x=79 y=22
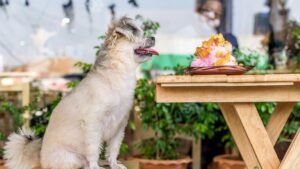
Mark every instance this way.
x=214 y=56
x=216 y=51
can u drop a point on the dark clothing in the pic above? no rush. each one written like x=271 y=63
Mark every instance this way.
x=232 y=39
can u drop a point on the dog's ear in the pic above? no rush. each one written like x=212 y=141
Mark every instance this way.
x=127 y=28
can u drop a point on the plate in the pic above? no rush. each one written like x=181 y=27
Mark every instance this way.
x=213 y=70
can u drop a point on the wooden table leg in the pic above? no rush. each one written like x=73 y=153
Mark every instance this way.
x=250 y=135
x=278 y=119
x=25 y=102
x=197 y=149
x=292 y=158
x=239 y=135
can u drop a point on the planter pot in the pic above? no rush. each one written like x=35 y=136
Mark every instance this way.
x=164 y=164
x=2 y=162
x=228 y=161
x=130 y=164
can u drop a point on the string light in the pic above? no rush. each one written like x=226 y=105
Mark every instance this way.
x=22 y=43
x=65 y=21
x=112 y=10
x=27 y=3
x=134 y=3
x=2 y=3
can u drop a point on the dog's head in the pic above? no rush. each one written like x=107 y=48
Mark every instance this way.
x=130 y=31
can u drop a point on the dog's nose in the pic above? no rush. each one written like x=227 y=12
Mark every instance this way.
x=150 y=41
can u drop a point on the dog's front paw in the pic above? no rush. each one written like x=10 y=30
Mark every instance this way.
x=95 y=166
x=118 y=166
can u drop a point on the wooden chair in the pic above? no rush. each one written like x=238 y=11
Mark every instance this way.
x=23 y=88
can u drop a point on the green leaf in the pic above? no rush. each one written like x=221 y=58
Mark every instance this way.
x=132 y=125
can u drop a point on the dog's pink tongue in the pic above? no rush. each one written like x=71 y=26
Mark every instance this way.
x=147 y=50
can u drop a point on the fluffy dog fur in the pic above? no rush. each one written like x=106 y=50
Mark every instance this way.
x=97 y=110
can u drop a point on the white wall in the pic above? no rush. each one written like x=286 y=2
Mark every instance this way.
x=294 y=5
x=245 y=10
x=243 y=15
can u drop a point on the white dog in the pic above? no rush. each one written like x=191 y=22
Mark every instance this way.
x=96 y=111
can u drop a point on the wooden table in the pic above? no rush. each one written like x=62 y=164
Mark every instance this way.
x=236 y=95
x=22 y=87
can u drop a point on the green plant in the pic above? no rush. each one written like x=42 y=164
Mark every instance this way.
x=291 y=128
x=150 y=27
x=293 y=41
x=296 y=33
x=296 y=47
x=41 y=116
x=249 y=57
x=85 y=67
x=14 y=111
x=98 y=48
x=170 y=119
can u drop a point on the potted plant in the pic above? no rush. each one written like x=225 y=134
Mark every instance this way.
x=168 y=120
x=11 y=111
x=293 y=44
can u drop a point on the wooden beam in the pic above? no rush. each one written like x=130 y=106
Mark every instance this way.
x=197 y=149
x=18 y=74
x=257 y=135
x=292 y=158
x=226 y=84
x=278 y=119
x=229 y=78
x=11 y=88
x=24 y=89
x=227 y=94
x=239 y=134
x=25 y=102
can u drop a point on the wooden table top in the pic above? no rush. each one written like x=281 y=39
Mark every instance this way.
x=229 y=78
x=229 y=88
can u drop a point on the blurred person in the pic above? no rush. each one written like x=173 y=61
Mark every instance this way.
x=205 y=21
x=211 y=13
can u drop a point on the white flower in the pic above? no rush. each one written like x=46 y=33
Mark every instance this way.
x=38 y=113
x=137 y=109
x=45 y=109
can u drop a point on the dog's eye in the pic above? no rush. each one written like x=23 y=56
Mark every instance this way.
x=135 y=30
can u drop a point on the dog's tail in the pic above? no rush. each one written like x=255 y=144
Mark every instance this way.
x=22 y=150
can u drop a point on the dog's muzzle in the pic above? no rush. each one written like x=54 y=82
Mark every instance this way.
x=146 y=49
